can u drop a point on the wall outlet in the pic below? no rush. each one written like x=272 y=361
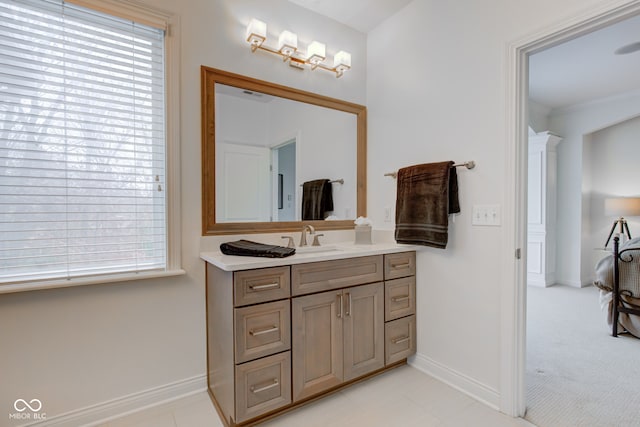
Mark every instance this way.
x=486 y=215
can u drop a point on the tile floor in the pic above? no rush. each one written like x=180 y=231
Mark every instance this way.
x=401 y=397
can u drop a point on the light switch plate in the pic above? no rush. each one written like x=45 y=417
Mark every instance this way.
x=486 y=215
x=387 y=214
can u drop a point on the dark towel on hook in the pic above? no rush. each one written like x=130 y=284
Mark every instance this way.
x=426 y=195
x=317 y=199
x=249 y=248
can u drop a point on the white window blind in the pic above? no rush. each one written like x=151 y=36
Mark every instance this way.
x=82 y=143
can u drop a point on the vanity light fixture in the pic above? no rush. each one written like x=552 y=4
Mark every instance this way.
x=288 y=49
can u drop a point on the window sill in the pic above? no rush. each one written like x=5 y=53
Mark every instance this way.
x=81 y=281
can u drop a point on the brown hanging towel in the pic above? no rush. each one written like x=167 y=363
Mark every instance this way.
x=317 y=199
x=426 y=195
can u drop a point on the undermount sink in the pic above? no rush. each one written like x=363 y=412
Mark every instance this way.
x=315 y=249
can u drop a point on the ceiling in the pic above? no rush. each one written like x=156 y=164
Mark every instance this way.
x=363 y=15
x=575 y=72
x=587 y=69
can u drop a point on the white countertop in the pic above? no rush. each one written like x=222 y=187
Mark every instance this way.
x=326 y=253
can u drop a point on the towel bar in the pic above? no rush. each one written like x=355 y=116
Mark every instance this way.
x=336 y=181
x=469 y=165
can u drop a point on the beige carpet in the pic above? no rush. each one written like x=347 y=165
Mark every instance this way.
x=577 y=374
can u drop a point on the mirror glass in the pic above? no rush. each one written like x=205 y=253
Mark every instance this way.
x=274 y=156
x=267 y=147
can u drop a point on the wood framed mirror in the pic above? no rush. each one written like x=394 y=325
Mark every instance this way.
x=228 y=182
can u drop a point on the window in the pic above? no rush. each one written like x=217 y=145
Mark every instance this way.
x=82 y=143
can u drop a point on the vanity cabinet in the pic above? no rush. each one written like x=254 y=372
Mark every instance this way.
x=280 y=336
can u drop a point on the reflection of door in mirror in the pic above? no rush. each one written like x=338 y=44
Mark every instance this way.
x=243 y=194
x=284 y=181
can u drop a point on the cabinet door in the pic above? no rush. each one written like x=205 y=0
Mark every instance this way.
x=316 y=344
x=363 y=330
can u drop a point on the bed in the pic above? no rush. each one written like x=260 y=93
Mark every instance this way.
x=618 y=278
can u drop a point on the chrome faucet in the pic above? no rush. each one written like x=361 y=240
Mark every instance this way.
x=303 y=236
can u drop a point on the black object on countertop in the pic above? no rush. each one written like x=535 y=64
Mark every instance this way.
x=249 y=248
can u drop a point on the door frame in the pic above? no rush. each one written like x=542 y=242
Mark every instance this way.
x=513 y=295
x=275 y=168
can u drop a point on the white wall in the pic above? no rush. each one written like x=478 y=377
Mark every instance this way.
x=76 y=347
x=615 y=173
x=575 y=244
x=233 y=124
x=436 y=91
x=538 y=116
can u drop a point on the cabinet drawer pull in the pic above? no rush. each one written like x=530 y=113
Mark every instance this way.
x=404 y=265
x=348 y=313
x=339 y=305
x=273 y=328
x=398 y=299
x=274 y=383
x=264 y=287
x=400 y=340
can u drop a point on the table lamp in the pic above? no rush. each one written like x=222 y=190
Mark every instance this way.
x=621 y=207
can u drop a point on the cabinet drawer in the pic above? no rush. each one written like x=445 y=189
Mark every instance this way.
x=400 y=298
x=398 y=265
x=262 y=386
x=341 y=273
x=262 y=329
x=262 y=285
x=400 y=339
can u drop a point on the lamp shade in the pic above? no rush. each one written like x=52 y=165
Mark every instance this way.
x=622 y=206
x=316 y=52
x=342 y=60
x=287 y=43
x=256 y=32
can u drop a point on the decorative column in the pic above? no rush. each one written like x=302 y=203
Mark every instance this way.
x=541 y=230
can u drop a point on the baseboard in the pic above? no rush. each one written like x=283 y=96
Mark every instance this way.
x=538 y=284
x=126 y=405
x=572 y=283
x=457 y=380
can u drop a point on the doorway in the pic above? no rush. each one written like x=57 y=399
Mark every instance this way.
x=283 y=168
x=514 y=291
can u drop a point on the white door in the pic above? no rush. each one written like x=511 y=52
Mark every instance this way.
x=243 y=186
